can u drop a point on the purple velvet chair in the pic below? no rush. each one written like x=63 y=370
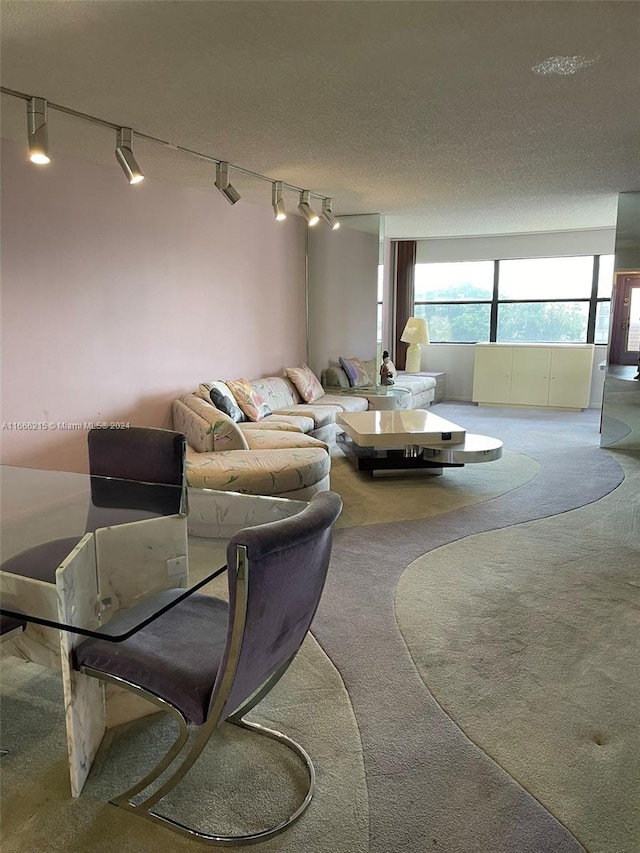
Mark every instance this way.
x=136 y=457
x=206 y=662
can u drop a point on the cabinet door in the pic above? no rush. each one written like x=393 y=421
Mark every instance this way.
x=570 y=377
x=530 y=376
x=492 y=374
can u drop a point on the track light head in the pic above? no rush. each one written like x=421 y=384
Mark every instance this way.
x=306 y=210
x=38 y=131
x=327 y=214
x=124 y=156
x=222 y=183
x=277 y=201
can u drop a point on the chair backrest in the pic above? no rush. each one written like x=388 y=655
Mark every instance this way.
x=276 y=573
x=136 y=457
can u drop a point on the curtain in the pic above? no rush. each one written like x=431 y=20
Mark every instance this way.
x=405 y=265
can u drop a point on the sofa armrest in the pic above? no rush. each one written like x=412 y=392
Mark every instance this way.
x=206 y=427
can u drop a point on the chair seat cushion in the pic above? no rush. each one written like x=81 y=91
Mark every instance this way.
x=41 y=561
x=175 y=657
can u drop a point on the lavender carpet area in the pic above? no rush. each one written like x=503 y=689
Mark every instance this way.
x=430 y=787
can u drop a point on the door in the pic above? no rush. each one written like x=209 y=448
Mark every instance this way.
x=625 y=324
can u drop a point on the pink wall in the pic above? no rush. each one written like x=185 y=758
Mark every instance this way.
x=116 y=299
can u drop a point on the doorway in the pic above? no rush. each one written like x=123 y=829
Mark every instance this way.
x=625 y=322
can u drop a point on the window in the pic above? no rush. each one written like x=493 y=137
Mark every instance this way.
x=534 y=300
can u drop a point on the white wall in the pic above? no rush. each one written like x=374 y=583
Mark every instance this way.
x=595 y=241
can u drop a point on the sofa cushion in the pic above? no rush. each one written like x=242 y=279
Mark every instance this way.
x=224 y=403
x=249 y=400
x=205 y=389
x=306 y=382
x=335 y=377
x=276 y=423
x=276 y=391
x=414 y=383
x=322 y=415
x=356 y=372
x=258 y=472
x=347 y=402
x=271 y=439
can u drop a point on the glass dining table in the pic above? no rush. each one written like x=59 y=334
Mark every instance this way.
x=76 y=550
x=138 y=539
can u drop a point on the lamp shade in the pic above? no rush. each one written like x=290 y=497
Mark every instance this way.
x=416 y=331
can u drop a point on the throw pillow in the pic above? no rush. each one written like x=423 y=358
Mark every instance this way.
x=205 y=389
x=306 y=382
x=223 y=402
x=248 y=399
x=355 y=371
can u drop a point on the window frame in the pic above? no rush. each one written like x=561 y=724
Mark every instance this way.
x=593 y=300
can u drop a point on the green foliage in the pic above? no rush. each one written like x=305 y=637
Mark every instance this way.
x=522 y=322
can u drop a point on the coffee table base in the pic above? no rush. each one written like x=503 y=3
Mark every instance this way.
x=429 y=460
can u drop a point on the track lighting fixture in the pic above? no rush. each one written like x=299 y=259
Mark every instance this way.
x=327 y=214
x=277 y=201
x=222 y=182
x=306 y=210
x=38 y=131
x=124 y=156
x=37 y=122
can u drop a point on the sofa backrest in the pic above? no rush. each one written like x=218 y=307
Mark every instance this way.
x=276 y=391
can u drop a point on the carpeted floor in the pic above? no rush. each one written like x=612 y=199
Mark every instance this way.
x=464 y=695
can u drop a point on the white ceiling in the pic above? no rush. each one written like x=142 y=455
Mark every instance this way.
x=428 y=112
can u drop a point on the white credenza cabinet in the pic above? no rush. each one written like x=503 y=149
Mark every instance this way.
x=557 y=376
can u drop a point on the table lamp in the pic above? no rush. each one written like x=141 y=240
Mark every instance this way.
x=415 y=333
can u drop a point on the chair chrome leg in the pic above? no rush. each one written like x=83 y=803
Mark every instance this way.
x=175 y=749
x=217 y=839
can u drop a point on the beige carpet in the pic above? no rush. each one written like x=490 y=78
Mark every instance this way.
x=534 y=654
x=404 y=497
x=310 y=703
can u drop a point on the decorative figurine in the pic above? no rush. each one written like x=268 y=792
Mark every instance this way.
x=387 y=370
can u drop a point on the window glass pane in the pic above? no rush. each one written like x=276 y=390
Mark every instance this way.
x=605 y=277
x=603 y=312
x=546 y=278
x=456 y=323
x=380 y=280
x=379 y=338
x=543 y=322
x=448 y=282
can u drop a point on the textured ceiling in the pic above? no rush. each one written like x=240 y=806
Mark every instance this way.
x=428 y=112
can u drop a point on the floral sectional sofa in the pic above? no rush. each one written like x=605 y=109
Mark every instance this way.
x=353 y=374
x=279 y=445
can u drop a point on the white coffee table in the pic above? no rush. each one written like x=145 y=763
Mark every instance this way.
x=414 y=439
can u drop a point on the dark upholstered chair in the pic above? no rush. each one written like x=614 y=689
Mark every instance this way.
x=205 y=661
x=136 y=457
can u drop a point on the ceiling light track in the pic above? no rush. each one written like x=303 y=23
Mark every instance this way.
x=37 y=115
